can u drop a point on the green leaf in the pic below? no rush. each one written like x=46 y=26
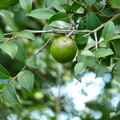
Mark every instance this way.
x=90 y=61
x=20 y=55
x=41 y=13
x=81 y=26
x=56 y=4
x=81 y=58
x=60 y=24
x=118 y=67
x=26 y=5
x=117 y=77
x=103 y=44
x=48 y=3
x=92 y=21
x=47 y=35
x=103 y=52
x=115 y=37
x=66 y=7
x=9 y=20
x=4 y=74
x=108 y=31
x=1 y=35
x=58 y=16
x=118 y=108
x=116 y=45
x=114 y=3
x=3 y=83
x=87 y=53
x=75 y=7
x=6 y=3
x=32 y=62
x=79 y=67
x=90 y=2
x=87 y=60
x=10 y=48
x=72 y=68
x=114 y=116
x=80 y=41
x=9 y=94
x=100 y=70
x=26 y=79
x=26 y=34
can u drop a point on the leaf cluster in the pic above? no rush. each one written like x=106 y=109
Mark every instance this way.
x=98 y=46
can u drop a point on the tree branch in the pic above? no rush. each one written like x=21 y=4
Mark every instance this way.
x=72 y=23
x=14 y=78
x=96 y=40
x=53 y=31
x=17 y=74
x=81 y=5
x=82 y=75
x=101 y=26
x=88 y=10
x=4 y=41
x=44 y=45
x=69 y=32
x=60 y=31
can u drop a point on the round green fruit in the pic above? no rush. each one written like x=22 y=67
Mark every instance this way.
x=63 y=49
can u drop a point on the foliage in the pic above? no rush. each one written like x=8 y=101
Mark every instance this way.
x=26 y=30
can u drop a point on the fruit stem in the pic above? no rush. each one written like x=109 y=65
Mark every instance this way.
x=79 y=80
x=45 y=45
x=69 y=34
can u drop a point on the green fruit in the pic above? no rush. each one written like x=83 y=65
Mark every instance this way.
x=63 y=49
x=5 y=3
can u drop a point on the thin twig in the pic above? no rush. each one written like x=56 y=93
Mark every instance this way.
x=17 y=74
x=10 y=39
x=72 y=23
x=4 y=41
x=101 y=26
x=53 y=31
x=75 y=31
x=69 y=34
x=101 y=14
x=96 y=40
x=81 y=5
x=60 y=31
x=82 y=76
x=85 y=8
x=44 y=45
x=6 y=34
x=113 y=70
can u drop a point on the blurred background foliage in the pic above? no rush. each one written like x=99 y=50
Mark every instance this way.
x=50 y=77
